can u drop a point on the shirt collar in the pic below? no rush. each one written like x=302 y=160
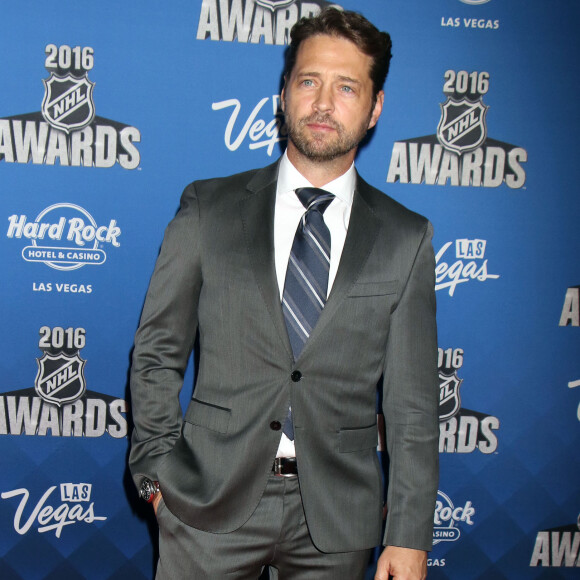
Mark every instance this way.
x=289 y=179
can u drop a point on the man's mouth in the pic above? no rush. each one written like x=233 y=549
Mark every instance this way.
x=321 y=124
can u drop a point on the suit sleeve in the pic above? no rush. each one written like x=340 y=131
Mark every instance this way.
x=164 y=342
x=410 y=406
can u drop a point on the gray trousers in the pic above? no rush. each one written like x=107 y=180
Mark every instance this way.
x=275 y=536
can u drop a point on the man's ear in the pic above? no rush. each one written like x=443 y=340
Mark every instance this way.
x=283 y=96
x=378 y=109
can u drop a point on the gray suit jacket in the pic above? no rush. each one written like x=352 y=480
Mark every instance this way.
x=215 y=274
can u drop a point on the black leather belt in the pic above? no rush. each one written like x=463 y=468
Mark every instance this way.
x=285 y=466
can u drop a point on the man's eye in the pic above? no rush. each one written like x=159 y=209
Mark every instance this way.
x=346 y=89
x=308 y=82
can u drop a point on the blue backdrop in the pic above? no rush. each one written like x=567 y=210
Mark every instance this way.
x=107 y=111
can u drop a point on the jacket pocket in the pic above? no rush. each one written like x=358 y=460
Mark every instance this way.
x=207 y=415
x=374 y=288
x=350 y=440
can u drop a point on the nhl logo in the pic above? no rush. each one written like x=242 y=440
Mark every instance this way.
x=449 y=400
x=68 y=102
x=274 y=4
x=60 y=379
x=462 y=126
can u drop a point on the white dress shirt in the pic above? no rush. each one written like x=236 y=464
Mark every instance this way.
x=287 y=214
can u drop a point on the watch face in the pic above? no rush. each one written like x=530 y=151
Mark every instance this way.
x=146 y=489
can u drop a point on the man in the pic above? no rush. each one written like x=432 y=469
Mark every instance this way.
x=245 y=264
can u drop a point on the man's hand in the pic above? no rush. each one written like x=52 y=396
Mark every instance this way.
x=156 y=501
x=402 y=564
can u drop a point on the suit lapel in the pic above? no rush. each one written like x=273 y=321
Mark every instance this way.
x=257 y=214
x=362 y=232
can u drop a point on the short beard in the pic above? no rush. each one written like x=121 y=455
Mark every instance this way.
x=318 y=149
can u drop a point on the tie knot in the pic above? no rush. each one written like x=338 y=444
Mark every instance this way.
x=314 y=198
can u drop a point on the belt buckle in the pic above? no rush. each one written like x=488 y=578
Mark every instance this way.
x=277 y=467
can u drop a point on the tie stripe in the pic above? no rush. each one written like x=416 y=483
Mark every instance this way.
x=306 y=283
x=315 y=237
x=309 y=284
x=294 y=320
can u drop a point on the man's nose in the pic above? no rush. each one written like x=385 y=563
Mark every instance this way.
x=324 y=101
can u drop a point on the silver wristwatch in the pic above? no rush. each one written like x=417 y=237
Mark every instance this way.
x=148 y=490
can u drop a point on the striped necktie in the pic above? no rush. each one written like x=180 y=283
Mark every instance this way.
x=306 y=284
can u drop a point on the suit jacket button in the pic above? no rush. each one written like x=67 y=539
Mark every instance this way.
x=296 y=376
x=275 y=425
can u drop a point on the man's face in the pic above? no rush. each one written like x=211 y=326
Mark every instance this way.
x=328 y=98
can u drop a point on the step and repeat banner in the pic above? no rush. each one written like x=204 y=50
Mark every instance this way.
x=108 y=110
